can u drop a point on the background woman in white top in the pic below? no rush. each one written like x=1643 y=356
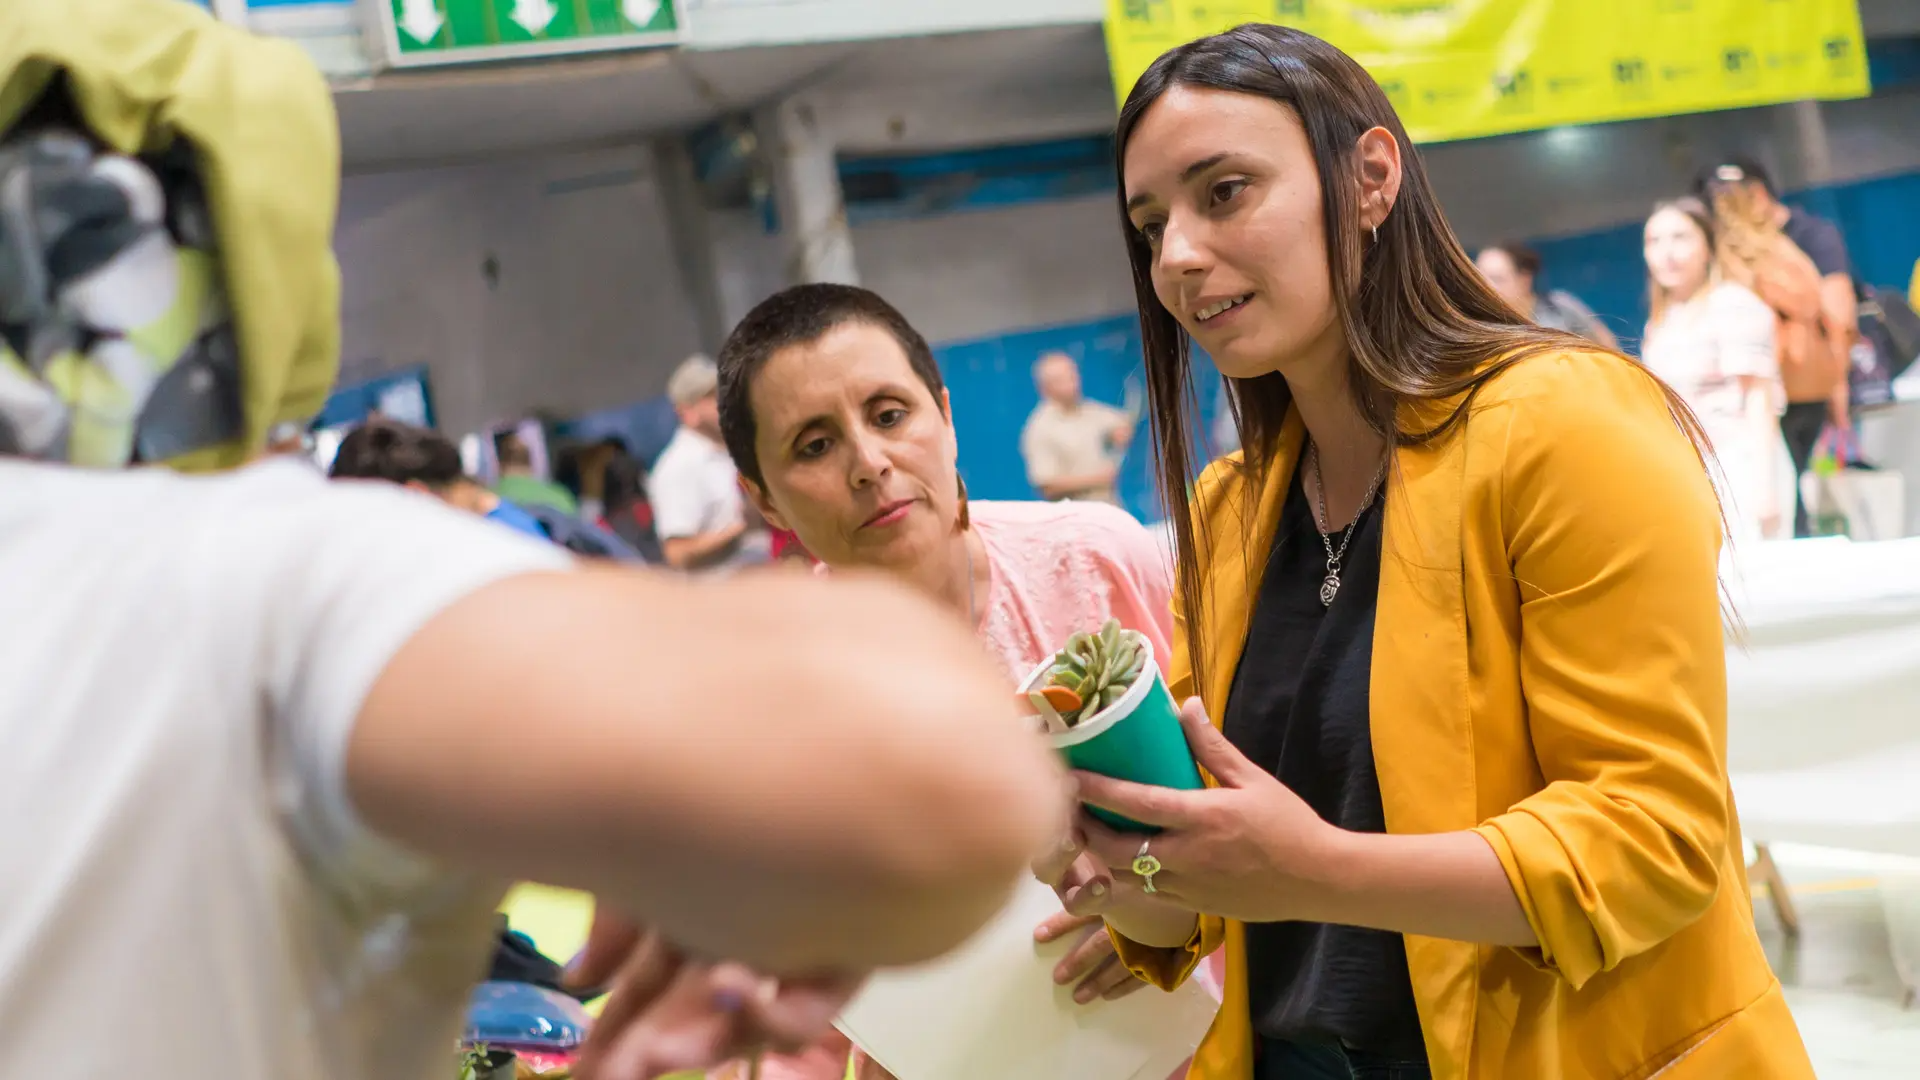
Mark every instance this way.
x=1713 y=341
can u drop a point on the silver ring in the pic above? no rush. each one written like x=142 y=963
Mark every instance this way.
x=1146 y=866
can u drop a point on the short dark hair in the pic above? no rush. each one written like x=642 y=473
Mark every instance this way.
x=513 y=452
x=1749 y=169
x=1525 y=259
x=383 y=449
x=802 y=315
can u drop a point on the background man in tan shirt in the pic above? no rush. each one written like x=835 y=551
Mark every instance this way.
x=1073 y=447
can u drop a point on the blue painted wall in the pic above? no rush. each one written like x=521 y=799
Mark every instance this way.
x=991 y=383
x=405 y=395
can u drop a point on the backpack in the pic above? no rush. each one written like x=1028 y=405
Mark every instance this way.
x=1889 y=344
x=587 y=541
x=1810 y=366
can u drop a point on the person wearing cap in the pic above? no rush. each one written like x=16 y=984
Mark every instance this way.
x=273 y=756
x=699 y=510
x=1812 y=404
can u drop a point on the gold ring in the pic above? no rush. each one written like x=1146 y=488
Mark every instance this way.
x=1146 y=866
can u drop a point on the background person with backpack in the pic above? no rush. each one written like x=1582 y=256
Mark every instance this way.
x=1808 y=281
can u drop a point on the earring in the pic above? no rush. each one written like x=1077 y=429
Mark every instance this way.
x=1376 y=235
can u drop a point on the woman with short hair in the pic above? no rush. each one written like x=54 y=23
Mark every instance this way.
x=834 y=411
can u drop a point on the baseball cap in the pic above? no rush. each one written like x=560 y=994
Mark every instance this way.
x=1732 y=170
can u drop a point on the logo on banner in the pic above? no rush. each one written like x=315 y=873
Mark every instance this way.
x=1632 y=78
x=1514 y=92
x=1741 y=67
x=1842 y=59
x=1149 y=11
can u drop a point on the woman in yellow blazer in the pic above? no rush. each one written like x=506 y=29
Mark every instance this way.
x=1456 y=606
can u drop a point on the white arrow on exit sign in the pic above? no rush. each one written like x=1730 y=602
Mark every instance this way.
x=640 y=13
x=533 y=16
x=421 y=20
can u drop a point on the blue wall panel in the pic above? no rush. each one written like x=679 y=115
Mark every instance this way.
x=405 y=395
x=991 y=383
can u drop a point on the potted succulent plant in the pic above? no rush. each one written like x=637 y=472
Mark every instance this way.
x=1106 y=708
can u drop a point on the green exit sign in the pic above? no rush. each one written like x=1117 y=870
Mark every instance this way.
x=415 y=33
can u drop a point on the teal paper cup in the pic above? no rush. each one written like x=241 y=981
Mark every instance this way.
x=1138 y=739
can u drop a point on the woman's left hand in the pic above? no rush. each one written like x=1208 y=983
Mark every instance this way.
x=1249 y=849
x=1092 y=964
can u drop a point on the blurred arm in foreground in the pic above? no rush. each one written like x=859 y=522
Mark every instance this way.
x=752 y=790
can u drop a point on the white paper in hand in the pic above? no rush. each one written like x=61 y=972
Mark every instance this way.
x=991 y=1009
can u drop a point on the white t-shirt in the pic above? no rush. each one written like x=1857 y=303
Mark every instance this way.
x=184 y=889
x=695 y=489
x=1704 y=347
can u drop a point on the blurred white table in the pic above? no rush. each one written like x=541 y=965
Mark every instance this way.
x=1823 y=736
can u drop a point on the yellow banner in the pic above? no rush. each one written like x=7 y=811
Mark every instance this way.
x=1458 y=69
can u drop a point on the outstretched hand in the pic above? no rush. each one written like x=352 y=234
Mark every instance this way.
x=1247 y=849
x=670 y=1013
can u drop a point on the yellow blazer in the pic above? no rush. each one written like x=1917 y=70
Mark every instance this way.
x=1548 y=670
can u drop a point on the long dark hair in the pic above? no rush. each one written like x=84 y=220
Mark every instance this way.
x=1421 y=324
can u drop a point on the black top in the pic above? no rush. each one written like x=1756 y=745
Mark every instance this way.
x=1300 y=707
x=1821 y=240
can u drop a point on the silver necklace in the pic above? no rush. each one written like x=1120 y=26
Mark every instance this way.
x=1330 y=585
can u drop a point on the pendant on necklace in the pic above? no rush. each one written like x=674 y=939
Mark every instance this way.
x=1329 y=589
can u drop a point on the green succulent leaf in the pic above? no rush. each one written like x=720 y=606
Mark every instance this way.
x=1100 y=666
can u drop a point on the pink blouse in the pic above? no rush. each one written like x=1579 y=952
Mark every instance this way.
x=1054 y=569
x=1060 y=568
